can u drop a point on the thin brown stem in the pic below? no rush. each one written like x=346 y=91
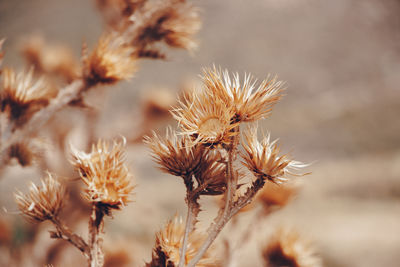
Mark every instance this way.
x=63 y=232
x=224 y=216
x=96 y=257
x=191 y=218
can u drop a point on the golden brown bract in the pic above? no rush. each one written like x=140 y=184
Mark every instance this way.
x=42 y=203
x=111 y=60
x=248 y=102
x=168 y=242
x=287 y=248
x=263 y=159
x=105 y=174
x=175 y=154
x=22 y=96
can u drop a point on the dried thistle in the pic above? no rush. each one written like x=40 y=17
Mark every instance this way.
x=276 y=195
x=105 y=174
x=288 y=249
x=22 y=96
x=42 y=203
x=248 y=102
x=175 y=155
x=206 y=119
x=173 y=22
x=263 y=159
x=168 y=242
x=22 y=152
x=50 y=58
x=110 y=61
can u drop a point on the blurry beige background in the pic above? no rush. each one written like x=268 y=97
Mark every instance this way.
x=341 y=61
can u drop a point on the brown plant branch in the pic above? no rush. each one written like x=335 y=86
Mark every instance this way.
x=225 y=214
x=63 y=232
x=96 y=256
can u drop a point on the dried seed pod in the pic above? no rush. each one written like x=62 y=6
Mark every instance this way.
x=105 y=174
x=287 y=248
x=175 y=155
x=247 y=102
x=21 y=96
x=42 y=203
x=262 y=158
x=110 y=61
x=168 y=243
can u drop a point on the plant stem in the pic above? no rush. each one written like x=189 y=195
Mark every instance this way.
x=223 y=217
x=63 y=232
x=96 y=257
x=190 y=222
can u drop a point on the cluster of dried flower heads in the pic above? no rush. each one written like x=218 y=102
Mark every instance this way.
x=205 y=152
x=212 y=151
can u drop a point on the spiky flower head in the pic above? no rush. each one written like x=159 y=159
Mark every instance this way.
x=105 y=174
x=42 y=203
x=288 y=248
x=168 y=243
x=249 y=102
x=110 y=61
x=175 y=154
x=22 y=95
x=207 y=120
x=263 y=159
x=173 y=22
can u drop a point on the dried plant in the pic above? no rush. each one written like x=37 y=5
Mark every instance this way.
x=211 y=150
x=108 y=183
x=206 y=151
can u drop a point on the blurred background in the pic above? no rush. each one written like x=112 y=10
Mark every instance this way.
x=341 y=63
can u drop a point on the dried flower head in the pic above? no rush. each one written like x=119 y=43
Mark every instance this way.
x=110 y=61
x=173 y=22
x=288 y=249
x=22 y=152
x=42 y=203
x=22 y=96
x=50 y=58
x=276 y=195
x=105 y=174
x=175 y=155
x=117 y=12
x=157 y=104
x=168 y=243
x=205 y=119
x=262 y=158
x=248 y=102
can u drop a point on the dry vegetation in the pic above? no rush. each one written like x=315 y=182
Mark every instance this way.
x=234 y=178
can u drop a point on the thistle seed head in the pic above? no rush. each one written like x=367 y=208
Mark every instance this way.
x=287 y=248
x=248 y=102
x=42 y=203
x=21 y=96
x=105 y=174
x=263 y=159
x=110 y=61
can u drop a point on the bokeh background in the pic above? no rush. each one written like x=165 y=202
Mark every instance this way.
x=341 y=62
